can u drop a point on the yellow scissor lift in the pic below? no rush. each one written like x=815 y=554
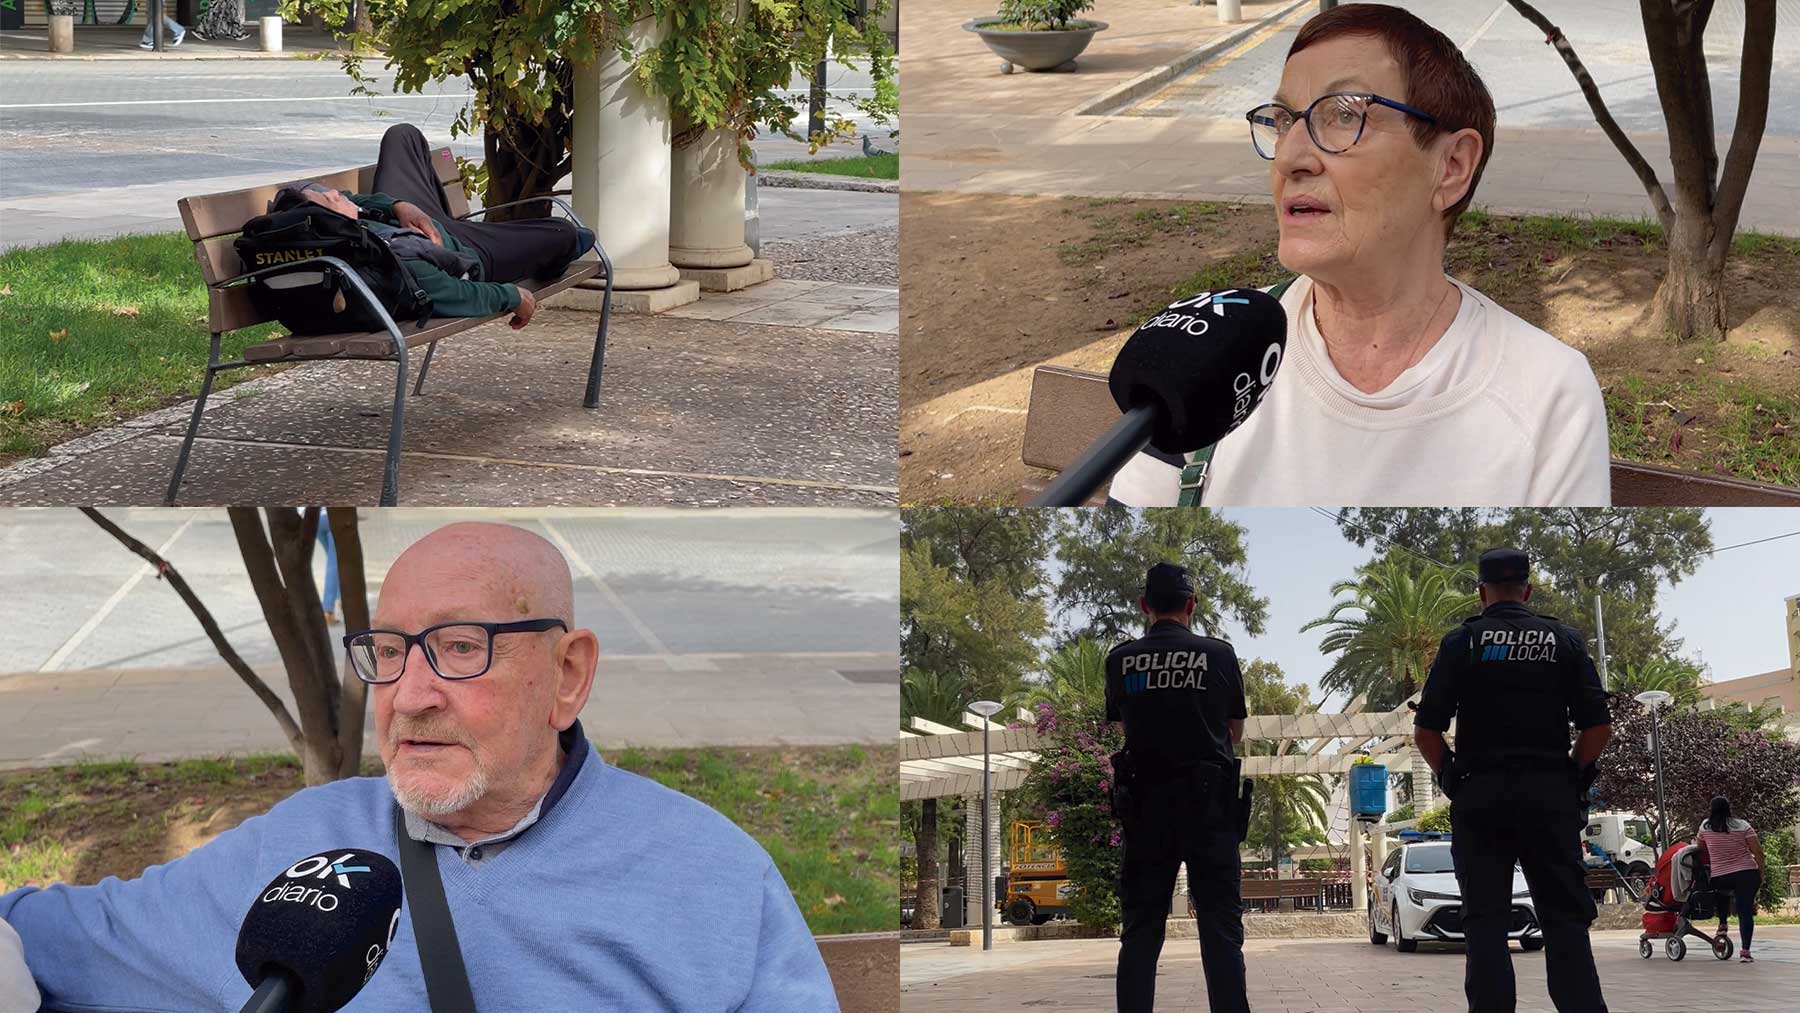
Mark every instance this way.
x=1037 y=882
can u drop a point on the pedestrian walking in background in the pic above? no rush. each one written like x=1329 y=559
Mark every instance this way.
x=170 y=25
x=328 y=599
x=1736 y=857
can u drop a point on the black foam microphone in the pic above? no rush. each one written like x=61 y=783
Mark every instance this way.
x=314 y=937
x=1185 y=378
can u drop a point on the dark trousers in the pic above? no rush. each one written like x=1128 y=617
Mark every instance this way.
x=1742 y=885
x=1171 y=823
x=509 y=251
x=1531 y=818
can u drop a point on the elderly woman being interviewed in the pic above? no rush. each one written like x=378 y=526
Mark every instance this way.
x=1401 y=386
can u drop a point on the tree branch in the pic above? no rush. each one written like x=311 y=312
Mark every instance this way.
x=1659 y=199
x=316 y=717
x=1753 y=115
x=166 y=570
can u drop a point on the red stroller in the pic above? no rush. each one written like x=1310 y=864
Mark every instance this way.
x=1680 y=895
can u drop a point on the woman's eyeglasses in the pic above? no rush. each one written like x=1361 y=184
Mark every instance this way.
x=1334 y=121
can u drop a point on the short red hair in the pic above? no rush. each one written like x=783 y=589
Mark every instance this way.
x=1439 y=80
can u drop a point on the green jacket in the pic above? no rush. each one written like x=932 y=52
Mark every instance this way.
x=450 y=296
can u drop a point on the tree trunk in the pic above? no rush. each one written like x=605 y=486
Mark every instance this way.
x=362 y=25
x=929 y=898
x=527 y=159
x=346 y=535
x=285 y=604
x=1690 y=302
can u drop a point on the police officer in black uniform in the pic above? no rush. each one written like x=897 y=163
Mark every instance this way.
x=1514 y=681
x=1181 y=698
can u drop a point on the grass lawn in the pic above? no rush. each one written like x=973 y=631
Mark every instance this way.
x=861 y=166
x=93 y=331
x=829 y=816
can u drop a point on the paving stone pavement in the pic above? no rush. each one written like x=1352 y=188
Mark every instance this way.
x=1337 y=976
x=692 y=412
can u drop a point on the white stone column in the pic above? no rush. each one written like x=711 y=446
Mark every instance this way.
x=1359 y=866
x=972 y=855
x=706 y=209
x=622 y=165
x=1424 y=788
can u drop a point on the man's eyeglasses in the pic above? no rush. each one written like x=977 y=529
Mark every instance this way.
x=461 y=650
x=1335 y=128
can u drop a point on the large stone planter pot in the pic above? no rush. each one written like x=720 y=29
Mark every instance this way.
x=62 y=33
x=1048 y=50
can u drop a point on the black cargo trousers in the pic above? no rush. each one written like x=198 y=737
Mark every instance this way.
x=533 y=248
x=1189 y=817
x=1533 y=818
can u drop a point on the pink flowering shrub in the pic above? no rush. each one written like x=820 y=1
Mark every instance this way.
x=1070 y=785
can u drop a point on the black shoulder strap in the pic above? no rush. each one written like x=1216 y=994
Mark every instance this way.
x=446 y=980
x=1281 y=287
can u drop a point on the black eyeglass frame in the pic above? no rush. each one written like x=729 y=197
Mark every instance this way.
x=1371 y=98
x=411 y=639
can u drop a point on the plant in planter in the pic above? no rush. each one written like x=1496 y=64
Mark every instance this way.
x=1037 y=34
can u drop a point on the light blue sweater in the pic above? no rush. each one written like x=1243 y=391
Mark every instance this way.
x=625 y=896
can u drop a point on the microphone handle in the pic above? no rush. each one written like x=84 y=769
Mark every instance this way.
x=273 y=995
x=1101 y=461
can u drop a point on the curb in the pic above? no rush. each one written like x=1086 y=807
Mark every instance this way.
x=821 y=181
x=1153 y=79
x=293 y=54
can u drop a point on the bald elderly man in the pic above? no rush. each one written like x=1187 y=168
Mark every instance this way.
x=572 y=884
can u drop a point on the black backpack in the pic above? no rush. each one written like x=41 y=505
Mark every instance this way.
x=305 y=298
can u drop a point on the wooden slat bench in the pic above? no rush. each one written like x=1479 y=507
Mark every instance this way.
x=213 y=222
x=865 y=970
x=1282 y=889
x=1070 y=408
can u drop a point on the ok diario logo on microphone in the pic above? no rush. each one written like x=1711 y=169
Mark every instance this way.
x=316 y=867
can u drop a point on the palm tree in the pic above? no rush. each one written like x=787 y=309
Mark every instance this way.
x=1386 y=632
x=1676 y=676
x=939 y=697
x=1074 y=678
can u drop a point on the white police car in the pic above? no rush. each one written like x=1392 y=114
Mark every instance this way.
x=1415 y=898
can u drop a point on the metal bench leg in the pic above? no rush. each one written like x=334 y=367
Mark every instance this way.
x=424 y=367
x=390 y=474
x=187 y=444
x=593 y=385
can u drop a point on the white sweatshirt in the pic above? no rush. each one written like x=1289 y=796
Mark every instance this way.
x=18 y=994
x=1497 y=413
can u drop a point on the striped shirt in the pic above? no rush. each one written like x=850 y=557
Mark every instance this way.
x=1728 y=852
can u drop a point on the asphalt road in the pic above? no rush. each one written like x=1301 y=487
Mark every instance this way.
x=73 y=126
x=1531 y=85
x=650 y=583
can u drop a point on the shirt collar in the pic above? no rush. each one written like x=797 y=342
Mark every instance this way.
x=575 y=749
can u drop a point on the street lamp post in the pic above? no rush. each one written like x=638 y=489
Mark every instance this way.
x=987 y=709
x=1655 y=699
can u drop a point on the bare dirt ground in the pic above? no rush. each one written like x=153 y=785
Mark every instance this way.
x=997 y=285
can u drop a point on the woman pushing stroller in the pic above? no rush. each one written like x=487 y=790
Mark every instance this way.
x=1736 y=856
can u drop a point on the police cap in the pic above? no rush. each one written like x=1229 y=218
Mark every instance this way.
x=1167 y=580
x=1505 y=566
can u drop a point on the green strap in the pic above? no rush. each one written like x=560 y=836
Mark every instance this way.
x=1193 y=476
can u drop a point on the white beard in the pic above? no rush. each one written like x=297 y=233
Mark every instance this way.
x=421 y=803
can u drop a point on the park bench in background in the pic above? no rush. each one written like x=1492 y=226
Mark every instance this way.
x=865 y=969
x=1284 y=889
x=1070 y=408
x=213 y=221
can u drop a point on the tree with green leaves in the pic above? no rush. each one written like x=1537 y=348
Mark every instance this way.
x=1676 y=676
x=1288 y=811
x=965 y=622
x=983 y=544
x=1385 y=629
x=1623 y=555
x=1106 y=552
x=721 y=64
x=1074 y=678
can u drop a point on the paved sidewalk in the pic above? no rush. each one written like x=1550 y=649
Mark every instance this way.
x=955 y=143
x=120 y=42
x=692 y=413
x=1332 y=976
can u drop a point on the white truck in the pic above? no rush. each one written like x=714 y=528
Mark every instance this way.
x=1617 y=839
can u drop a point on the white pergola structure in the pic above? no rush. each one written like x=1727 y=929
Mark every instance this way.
x=937 y=761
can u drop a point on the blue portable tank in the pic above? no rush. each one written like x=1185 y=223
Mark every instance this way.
x=1368 y=790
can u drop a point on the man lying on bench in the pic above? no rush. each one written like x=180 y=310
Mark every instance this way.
x=467 y=267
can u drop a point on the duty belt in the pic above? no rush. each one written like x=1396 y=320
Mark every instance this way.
x=1560 y=763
